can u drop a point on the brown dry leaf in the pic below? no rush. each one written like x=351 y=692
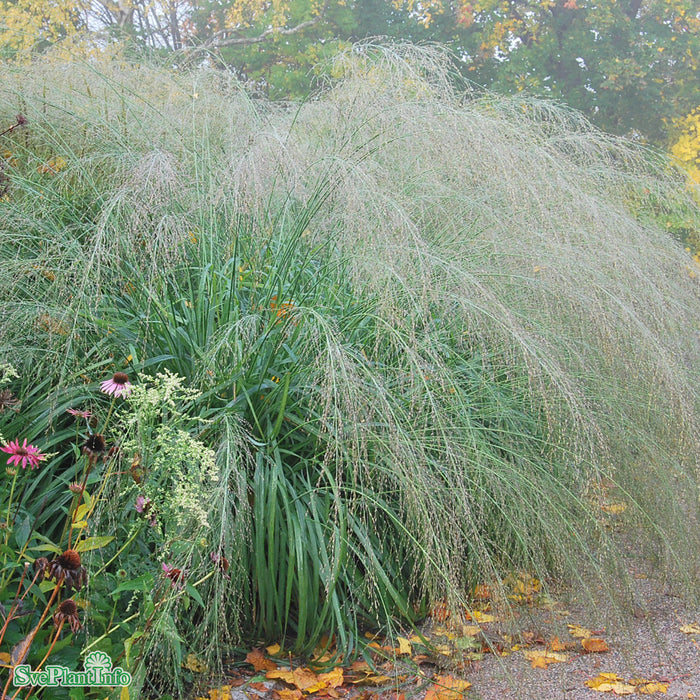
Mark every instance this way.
x=282 y=674
x=541 y=658
x=447 y=688
x=692 y=628
x=302 y=678
x=610 y=683
x=405 y=646
x=20 y=650
x=305 y=678
x=374 y=680
x=556 y=645
x=651 y=687
x=332 y=679
x=273 y=649
x=360 y=666
x=593 y=645
x=295 y=694
x=259 y=662
x=579 y=632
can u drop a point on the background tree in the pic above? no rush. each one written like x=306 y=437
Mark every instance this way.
x=630 y=65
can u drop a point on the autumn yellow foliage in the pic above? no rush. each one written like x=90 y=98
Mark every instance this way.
x=687 y=148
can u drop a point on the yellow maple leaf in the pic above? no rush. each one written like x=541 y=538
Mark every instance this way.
x=579 y=632
x=447 y=688
x=405 y=646
x=610 y=683
x=481 y=617
x=541 y=658
x=651 y=687
x=593 y=645
x=287 y=694
x=692 y=628
x=332 y=679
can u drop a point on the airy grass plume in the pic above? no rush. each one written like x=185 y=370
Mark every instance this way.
x=431 y=332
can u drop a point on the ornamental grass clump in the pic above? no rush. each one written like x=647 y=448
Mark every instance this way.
x=400 y=339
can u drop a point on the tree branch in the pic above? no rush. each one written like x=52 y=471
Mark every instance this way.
x=215 y=42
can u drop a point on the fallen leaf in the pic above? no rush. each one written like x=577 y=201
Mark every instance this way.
x=273 y=649
x=302 y=678
x=593 y=645
x=556 y=645
x=360 y=666
x=541 y=658
x=376 y=680
x=332 y=679
x=258 y=686
x=692 y=628
x=4 y=658
x=281 y=674
x=259 y=662
x=651 y=687
x=447 y=688
x=470 y=630
x=480 y=617
x=579 y=632
x=286 y=694
x=610 y=683
x=405 y=646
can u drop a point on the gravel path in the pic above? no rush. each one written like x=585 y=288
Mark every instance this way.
x=648 y=644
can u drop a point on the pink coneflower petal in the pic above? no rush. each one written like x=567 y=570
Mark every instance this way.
x=143 y=503
x=118 y=385
x=176 y=576
x=26 y=454
x=78 y=413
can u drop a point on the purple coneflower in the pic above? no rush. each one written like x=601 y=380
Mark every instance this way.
x=143 y=503
x=119 y=385
x=175 y=575
x=68 y=568
x=94 y=446
x=67 y=612
x=78 y=413
x=27 y=454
